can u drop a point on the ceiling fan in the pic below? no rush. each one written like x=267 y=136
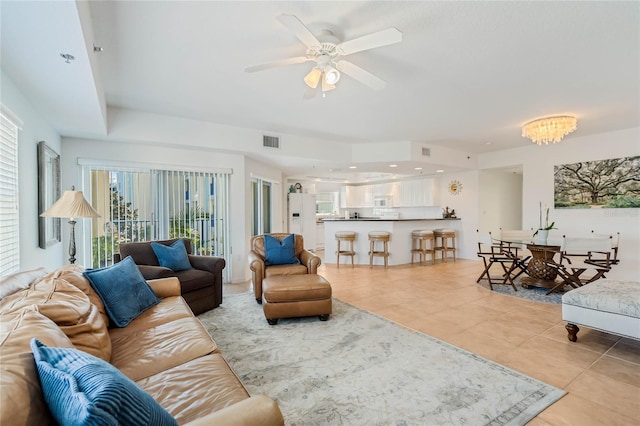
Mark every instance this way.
x=327 y=52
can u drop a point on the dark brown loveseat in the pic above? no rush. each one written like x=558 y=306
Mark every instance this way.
x=201 y=286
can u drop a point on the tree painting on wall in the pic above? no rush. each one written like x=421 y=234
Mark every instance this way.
x=613 y=183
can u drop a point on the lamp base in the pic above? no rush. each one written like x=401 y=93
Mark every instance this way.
x=72 y=242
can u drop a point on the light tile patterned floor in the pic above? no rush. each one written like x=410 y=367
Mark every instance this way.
x=600 y=372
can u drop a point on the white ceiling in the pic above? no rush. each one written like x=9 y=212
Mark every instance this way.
x=466 y=76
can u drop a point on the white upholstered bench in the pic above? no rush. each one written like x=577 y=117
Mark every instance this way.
x=606 y=305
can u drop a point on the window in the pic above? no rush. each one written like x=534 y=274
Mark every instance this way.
x=9 y=227
x=326 y=203
x=143 y=205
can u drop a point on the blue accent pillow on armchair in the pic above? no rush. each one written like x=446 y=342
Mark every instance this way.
x=81 y=389
x=174 y=257
x=123 y=290
x=280 y=252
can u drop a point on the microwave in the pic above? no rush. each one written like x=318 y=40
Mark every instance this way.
x=382 y=202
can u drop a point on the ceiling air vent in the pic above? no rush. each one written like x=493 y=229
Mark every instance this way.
x=270 y=141
x=426 y=152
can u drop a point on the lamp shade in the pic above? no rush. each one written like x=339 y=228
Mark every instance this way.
x=313 y=78
x=72 y=204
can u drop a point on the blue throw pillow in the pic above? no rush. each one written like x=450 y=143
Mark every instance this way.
x=174 y=257
x=81 y=389
x=280 y=252
x=123 y=290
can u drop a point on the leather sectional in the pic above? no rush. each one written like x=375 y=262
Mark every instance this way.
x=166 y=351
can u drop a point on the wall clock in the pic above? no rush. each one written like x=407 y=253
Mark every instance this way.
x=455 y=187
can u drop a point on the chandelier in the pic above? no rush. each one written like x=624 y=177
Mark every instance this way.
x=549 y=129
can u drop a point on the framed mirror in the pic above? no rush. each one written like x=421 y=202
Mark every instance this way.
x=48 y=193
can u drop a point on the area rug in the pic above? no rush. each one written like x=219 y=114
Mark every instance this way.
x=360 y=369
x=532 y=293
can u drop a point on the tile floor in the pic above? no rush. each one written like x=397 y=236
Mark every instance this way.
x=600 y=372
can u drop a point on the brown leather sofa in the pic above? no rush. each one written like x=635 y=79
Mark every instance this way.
x=201 y=286
x=165 y=350
x=309 y=262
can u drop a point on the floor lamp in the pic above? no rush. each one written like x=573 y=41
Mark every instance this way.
x=71 y=205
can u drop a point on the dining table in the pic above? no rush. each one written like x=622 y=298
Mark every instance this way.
x=539 y=273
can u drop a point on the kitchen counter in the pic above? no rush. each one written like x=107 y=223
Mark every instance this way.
x=399 y=244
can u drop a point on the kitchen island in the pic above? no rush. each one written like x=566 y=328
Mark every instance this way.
x=399 y=244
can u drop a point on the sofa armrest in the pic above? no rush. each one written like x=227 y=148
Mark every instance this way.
x=257 y=410
x=212 y=264
x=310 y=260
x=154 y=272
x=256 y=264
x=165 y=287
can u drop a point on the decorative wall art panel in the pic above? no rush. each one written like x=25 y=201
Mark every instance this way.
x=613 y=183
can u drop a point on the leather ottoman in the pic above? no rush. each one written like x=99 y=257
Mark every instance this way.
x=289 y=296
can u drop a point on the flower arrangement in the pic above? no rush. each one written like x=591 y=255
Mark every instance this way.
x=546 y=226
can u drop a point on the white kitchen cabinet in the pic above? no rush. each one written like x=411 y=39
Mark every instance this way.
x=359 y=196
x=416 y=193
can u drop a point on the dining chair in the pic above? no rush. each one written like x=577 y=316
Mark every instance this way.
x=514 y=242
x=491 y=254
x=615 y=241
x=578 y=255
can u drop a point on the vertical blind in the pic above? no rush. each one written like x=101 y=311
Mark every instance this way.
x=143 y=205
x=9 y=225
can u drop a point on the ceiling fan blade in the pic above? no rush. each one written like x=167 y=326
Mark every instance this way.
x=298 y=29
x=296 y=60
x=364 y=77
x=370 y=41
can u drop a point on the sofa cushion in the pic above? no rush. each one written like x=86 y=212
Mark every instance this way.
x=280 y=252
x=123 y=290
x=174 y=257
x=73 y=275
x=21 y=400
x=146 y=352
x=82 y=389
x=19 y=281
x=194 y=279
x=285 y=270
x=187 y=393
x=69 y=308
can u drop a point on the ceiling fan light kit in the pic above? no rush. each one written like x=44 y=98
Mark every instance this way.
x=326 y=51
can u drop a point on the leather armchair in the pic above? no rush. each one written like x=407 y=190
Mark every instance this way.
x=201 y=286
x=309 y=262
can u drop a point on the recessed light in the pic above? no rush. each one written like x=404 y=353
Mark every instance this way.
x=393 y=165
x=488 y=143
x=417 y=168
x=353 y=167
x=440 y=171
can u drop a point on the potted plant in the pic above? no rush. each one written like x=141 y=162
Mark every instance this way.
x=543 y=229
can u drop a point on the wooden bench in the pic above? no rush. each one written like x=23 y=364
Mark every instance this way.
x=606 y=305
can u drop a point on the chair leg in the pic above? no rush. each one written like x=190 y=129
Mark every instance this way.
x=338 y=255
x=352 y=252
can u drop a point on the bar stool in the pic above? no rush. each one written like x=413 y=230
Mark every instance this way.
x=444 y=234
x=344 y=237
x=419 y=239
x=383 y=237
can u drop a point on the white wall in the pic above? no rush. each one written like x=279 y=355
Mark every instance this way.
x=35 y=128
x=500 y=200
x=538 y=162
x=466 y=206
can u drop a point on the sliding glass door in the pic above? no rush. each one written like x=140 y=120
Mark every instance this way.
x=143 y=205
x=261 y=207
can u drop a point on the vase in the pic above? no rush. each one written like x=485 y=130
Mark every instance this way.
x=541 y=237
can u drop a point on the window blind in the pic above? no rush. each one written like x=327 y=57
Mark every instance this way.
x=9 y=225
